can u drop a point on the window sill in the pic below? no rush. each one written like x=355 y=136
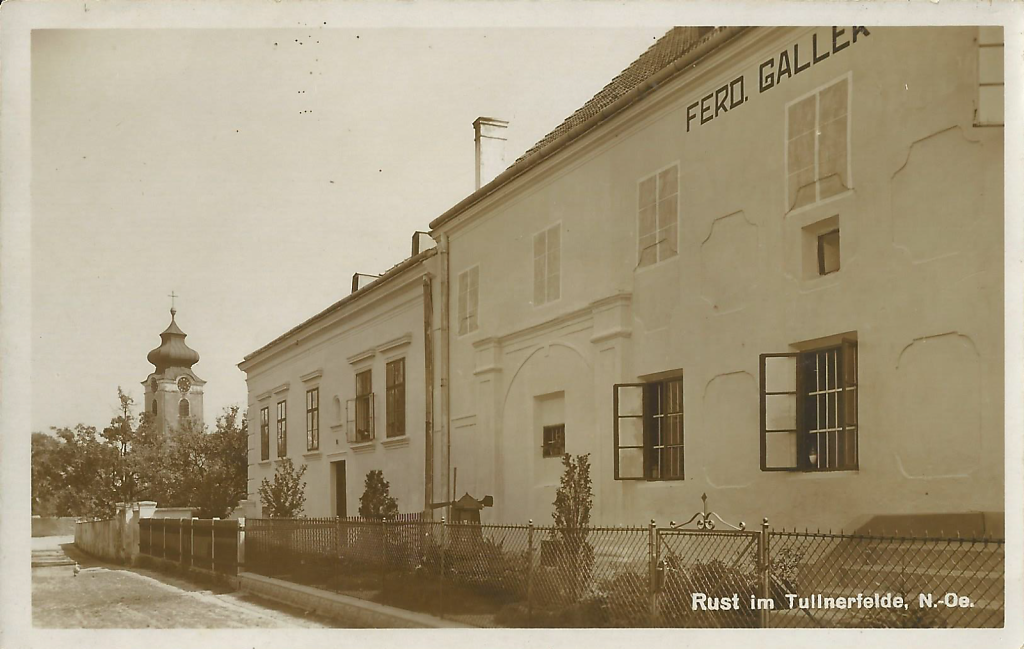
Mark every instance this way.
x=312 y=455
x=265 y=462
x=395 y=442
x=362 y=447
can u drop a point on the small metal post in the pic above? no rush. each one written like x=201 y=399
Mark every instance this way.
x=529 y=574
x=444 y=542
x=764 y=562
x=652 y=577
x=383 y=554
x=163 y=543
x=181 y=545
x=192 y=545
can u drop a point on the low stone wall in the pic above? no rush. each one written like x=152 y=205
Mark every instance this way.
x=52 y=526
x=103 y=539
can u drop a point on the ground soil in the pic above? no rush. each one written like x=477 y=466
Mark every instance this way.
x=104 y=595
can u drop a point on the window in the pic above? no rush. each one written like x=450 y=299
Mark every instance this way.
x=649 y=430
x=313 y=419
x=554 y=441
x=360 y=409
x=828 y=252
x=154 y=406
x=657 y=228
x=469 y=299
x=817 y=139
x=809 y=410
x=395 y=398
x=265 y=433
x=183 y=408
x=282 y=429
x=547 y=265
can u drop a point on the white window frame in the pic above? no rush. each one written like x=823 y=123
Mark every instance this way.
x=787 y=207
x=636 y=207
x=547 y=256
x=463 y=299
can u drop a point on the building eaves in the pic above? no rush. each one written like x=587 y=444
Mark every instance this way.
x=675 y=52
x=388 y=276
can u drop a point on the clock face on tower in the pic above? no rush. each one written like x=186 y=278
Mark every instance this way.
x=184 y=384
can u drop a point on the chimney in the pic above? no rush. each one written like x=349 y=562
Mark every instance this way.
x=489 y=135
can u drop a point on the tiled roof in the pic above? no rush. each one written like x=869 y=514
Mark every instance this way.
x=674 y=44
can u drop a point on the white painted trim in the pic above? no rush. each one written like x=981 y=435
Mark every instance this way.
x=533 y=259
x=363 y=447
x=315 y=374
x=362 y=356
x=264 y=396
x=787 y=210
x=395 y=442
x=458 y=318
x=636 y=208
x=282 y=388
x=401 y=341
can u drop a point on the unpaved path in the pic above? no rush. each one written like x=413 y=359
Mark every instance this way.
x=113 y=597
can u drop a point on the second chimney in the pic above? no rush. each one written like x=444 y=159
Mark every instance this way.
x=489 y=135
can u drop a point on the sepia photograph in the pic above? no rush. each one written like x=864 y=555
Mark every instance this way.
x=353 y=318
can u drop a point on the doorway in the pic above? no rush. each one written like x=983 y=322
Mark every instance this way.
x=340 y=489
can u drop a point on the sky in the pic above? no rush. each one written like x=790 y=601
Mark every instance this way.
x=252 y=172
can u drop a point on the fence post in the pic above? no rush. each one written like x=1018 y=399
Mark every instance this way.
x=383 y=555
x=241 y=544
x=652 y=569
x=181 y=545
x=444 y=542
x=765 y=566
x=192 y=544
x=213 y=544
x=163 y=542
x=529 y=573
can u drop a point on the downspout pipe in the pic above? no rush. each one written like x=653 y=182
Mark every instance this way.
x=710 y=42
x=428 y=384
x=444 y=364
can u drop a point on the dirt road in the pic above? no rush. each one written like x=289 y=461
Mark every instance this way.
x=110 y=596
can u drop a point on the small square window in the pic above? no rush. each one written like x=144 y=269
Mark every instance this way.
x=554 y=441
x=828 y=252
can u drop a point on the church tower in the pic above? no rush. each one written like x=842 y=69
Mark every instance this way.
x=173 y=391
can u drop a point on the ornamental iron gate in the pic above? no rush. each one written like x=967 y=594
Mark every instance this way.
x=708 y=577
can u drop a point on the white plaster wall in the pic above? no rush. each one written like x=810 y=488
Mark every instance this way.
x=920 y=284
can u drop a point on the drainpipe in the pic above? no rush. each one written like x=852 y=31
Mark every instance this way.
x=428 y=360
x=444 y=368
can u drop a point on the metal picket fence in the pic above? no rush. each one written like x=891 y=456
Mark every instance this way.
x=651 y=576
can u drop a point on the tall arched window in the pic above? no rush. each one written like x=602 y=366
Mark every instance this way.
x=154 y=406
x=183 y=408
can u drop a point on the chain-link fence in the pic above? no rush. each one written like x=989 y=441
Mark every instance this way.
x=542 y=576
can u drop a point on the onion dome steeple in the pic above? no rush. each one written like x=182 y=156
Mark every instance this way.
x=173 y=352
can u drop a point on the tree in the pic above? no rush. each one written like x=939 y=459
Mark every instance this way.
x=574 y=500
x=286 y=495
x=208 y=470
x=376 y=501
x=46 y=474
x=120 y=434
x=75 y=473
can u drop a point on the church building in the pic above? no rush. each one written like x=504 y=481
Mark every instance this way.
x=173 y=392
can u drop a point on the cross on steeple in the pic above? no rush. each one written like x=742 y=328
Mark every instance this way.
x=172 y=296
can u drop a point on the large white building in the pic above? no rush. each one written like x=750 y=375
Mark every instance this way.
x=764 y=264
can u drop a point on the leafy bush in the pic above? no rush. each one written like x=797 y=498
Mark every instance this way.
x=286 y=495
x=376 y=501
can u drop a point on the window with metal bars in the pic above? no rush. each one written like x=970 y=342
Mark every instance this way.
x=809 y=410
x=265 y=433
x=469 y=300
x=313 y=419
x=649 y=430
x=395 y=398
x=282 y=429
x=554 y=441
